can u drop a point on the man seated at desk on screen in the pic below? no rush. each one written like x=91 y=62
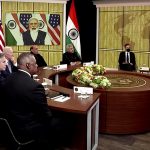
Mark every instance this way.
x=34 y=36
x=70 y=57
x=127 y=59
x=27 y=110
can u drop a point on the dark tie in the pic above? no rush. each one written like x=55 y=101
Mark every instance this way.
x=127 y=57
x=7 y=69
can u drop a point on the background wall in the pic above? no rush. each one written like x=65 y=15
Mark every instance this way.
x=87 y=25
x=52 y=54
x=120 y=25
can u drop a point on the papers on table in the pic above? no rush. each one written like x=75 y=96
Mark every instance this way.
x=60 y=98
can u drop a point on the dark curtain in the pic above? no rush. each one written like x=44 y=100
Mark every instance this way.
x=86 y=15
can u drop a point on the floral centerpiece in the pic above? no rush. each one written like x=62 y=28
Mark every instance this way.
x=91 y=76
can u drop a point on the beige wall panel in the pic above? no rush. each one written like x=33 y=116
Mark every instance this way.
x=110 y=30
x=40 y=7
x=111 y=9
x=109 y=58
x=56 y=7
x=9 y=6
x=133 y=8
x=16 y=55
x=25 y=7
x=55 y=58
x=142 y=59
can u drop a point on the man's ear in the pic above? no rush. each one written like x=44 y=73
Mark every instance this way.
x=27 y=66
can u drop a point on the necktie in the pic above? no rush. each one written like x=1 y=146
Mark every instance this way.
x=7 y=69
x=128 y=57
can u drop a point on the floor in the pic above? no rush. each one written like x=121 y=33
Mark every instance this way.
x=124 y=142
x=115 y=142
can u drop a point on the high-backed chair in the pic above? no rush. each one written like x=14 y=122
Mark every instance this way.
x=19 y=144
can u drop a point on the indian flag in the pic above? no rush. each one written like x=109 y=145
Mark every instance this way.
x=72 y=30
x=12 y=30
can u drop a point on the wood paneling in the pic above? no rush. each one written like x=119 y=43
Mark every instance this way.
x=120 y=25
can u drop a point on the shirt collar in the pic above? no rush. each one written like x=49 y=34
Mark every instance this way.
x=25 y=72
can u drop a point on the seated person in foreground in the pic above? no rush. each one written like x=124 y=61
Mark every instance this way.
x=2 y=68
x=70 y=57
x=27 y=110
x=39 y=59
x=127 y=60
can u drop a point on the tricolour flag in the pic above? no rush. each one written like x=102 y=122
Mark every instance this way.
x=72 y=30
x=2 y=39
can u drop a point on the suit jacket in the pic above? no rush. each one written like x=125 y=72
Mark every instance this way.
x=70 y=57
x=6 y=72
x=27 y=39
x=39 y=60
x=26 y=103
x=2 y=80
x=122 y=59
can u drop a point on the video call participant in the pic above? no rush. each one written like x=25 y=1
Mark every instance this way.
x=35 y=36
x=39 y=59
x=70 y=57
x=127 y=60
x=27 y=108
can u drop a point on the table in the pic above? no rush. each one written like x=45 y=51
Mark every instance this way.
x=87 y=110
x=125 y=106
x=123 y=109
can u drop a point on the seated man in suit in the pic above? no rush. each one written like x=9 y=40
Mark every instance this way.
x=127 y=59
x=3 y=64
x=8 y=51
x=27 y=109
x=34 y=36
x=39 y=59
x=70 y=57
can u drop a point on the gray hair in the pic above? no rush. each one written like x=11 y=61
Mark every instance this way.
x=24 y=58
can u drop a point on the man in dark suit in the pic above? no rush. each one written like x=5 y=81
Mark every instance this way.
x=34 y=36
x=70 y=57
x=27 y=109
x=127 y=59
x=39 y=59
x=2 y=68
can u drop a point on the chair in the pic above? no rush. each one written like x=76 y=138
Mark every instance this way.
x=19 y=144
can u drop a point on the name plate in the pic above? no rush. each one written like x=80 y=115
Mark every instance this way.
x=83 y=90
x=60 y=67
x=88 y=63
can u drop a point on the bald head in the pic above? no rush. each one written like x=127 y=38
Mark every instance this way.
x=27 y=62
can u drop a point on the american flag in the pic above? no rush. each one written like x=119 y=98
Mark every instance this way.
x=54 y=28
x=2 y=39
x=24 y=18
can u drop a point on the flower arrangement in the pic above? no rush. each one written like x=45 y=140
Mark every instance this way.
x=91 y=76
